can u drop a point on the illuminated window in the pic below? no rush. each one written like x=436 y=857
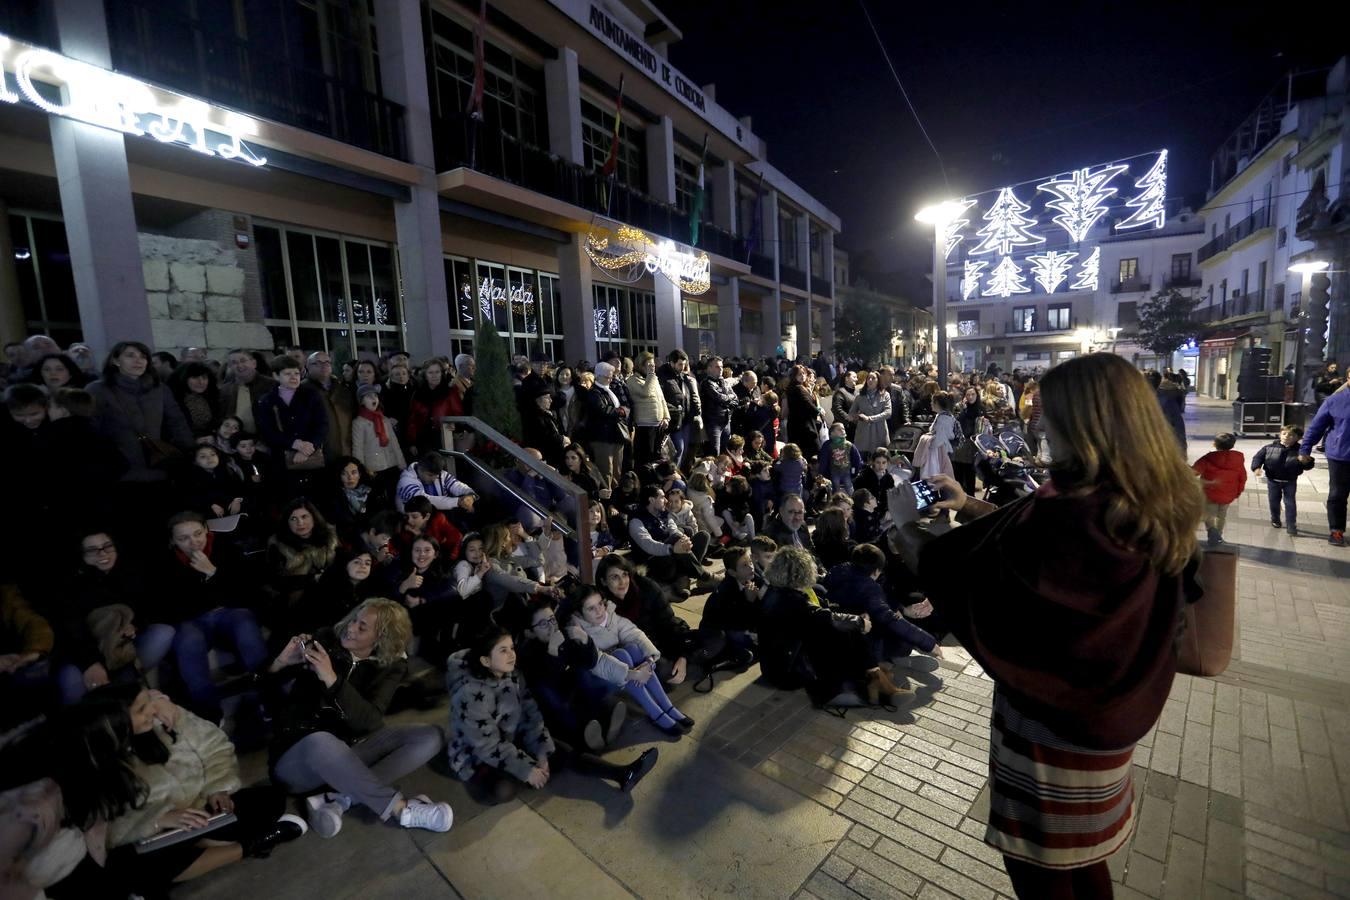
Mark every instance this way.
x=1129 y=269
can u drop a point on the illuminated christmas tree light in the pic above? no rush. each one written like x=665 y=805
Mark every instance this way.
x=1006 y=279
x=952 y=234
x=1007 y=226
x=1150 y=207
x=970 y=279
x=1087 y=272
x=1081 y=198
x=1051 y=269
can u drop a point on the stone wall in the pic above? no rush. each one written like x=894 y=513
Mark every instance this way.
x=195 y=290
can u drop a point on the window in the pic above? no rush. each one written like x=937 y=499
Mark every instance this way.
x=1282 y=236
x=597 y=130
x=513 y=91
x=1223 y=291
x=1127 y=314
x=1059 y=317
x=1243 y=292
x=698 y=314
x=1181 y=267
x=747 y=212
x=1129 y=269
x=1279 y=296
x=523 y=303
x=46 y=280
x=752 y=322
x=686 y=187
x=817 y=259
x=787 y=240
x=1024 y=318
x=328 y=291
x=1261 y=286
x=969 y=324
x=788 y=319
x=625 y=320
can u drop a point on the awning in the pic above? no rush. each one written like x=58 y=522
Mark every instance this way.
x=1227 y=335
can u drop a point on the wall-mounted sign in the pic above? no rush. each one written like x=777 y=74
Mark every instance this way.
x=629 y=253
x=491 y=293
x=61 y=86
x=607 y=323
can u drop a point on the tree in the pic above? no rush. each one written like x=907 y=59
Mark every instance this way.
x=494 y=398
x=862 y=326
x=1165 y=322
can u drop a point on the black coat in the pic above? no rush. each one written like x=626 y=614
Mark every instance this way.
x=87 y=591
x=541 y=431
x=305 y=418
x=795 y=642
x=681 y=393
x=719 y=401
x=184 y=593
x=602 y=416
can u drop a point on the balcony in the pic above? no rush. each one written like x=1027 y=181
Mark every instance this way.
x=821 y=286
x=1129 y=285
x=1249 y=304
x=1239 y=232
x=1014 y=330
x=1181 y=282
x=151 y=41
x=502 y=156
x=791 y=277
x=761 y=265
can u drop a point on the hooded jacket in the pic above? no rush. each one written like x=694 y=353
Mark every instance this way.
x=1224 y=474
x=495 y=722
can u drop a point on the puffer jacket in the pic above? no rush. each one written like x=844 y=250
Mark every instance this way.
x=1223 y=474
x=615 y=632
x=681 y=392
x=649 y=401
x=366 y=445
x=495 y=722
x=201 y=763
x=1280 y=462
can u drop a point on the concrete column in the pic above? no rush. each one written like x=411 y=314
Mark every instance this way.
x=403 y=74
x=805 y=329
x=562 y=94
x=95 y=188
x=669 y=315
x=827 y=322
x=722 y=181
x=12 y=327
x=578 y=300
x=773 y=316
x=661 y=163
x=729 y=317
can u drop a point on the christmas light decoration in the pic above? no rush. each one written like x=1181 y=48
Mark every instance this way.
x=952 y=232
x=690 y=272
x=1080 y=199
x=1006 y=279
x=1051 y=268
x=1088 y=271
x=970 y=280
x=1150 y=207
x=1007 y=226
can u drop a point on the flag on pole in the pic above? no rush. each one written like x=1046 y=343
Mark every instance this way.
x=756 y=219
x=475 y=107
x=696 y=207
x=611 y=166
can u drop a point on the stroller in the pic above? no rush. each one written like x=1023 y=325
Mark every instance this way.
x=1006 y=465
x=904 y=441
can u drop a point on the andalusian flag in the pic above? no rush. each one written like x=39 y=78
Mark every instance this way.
x=475 y=106
x=696 y=207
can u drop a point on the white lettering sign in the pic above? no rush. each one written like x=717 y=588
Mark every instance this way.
x=61 y=86
x=679 y=267
x=690 y=272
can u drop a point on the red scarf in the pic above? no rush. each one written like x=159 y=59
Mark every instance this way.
x=376 y=418
x=183 y=557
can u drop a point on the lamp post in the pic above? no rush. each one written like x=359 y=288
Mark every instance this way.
x=939 y=215
x=1307 y=269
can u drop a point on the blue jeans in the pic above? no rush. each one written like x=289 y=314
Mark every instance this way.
x=227 y=628
x=650 y=696
x=718 y=435
x=1277 y=490
x=152 y=645
x=680 y=438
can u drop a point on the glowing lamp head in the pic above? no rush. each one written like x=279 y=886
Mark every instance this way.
x=940 y=213
x=1310 y=266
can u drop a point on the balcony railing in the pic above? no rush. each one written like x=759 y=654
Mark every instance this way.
x=1251 y=303
x=1241 y=231
x=821 y=286
x=153 y=42
x=1179 y=282
x=791 y=277
x=1129 y=285
x=462 y=143
x=1014 y=330
x=761 y=265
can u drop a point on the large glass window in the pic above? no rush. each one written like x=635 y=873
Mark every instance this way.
x=513 y=90
x=625 y=320
x=597 y=131
x=46 y=281
x=1024 y=318
x=686 y=186
x=328 y=291
x=1129 y=269
x=787 y=240
x=1059 y=317
x=698 y=314
x=522 y=304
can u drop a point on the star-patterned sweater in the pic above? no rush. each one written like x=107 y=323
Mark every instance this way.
x=494 y=722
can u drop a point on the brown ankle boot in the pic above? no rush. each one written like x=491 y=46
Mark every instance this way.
x=873 y=690
x=889 y=687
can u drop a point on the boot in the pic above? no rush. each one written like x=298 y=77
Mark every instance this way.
x=1215 y=536
x=885 y=688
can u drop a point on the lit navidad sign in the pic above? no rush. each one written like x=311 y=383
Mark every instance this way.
x=1073 y=203
x=76 y=90
x=637 y=253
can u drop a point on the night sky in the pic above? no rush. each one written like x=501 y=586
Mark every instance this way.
x=1007 y=92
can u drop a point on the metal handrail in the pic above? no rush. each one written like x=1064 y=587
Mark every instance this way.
x=581 y=533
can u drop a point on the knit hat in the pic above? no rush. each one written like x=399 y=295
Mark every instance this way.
x=366 y=389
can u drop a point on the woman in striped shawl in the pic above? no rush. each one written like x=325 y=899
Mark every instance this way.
x=1076 y=620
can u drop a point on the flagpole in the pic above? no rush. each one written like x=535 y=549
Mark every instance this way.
x=475 y=107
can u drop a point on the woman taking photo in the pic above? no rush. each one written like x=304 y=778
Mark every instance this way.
x=1082 y=644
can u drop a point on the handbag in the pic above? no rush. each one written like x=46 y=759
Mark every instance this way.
x=314 y=461
x=1208 y=618
x=159 y=454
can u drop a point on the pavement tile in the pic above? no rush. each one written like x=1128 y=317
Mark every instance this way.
x=1185 y=869
x=1154 y=828
x=826 y=888
x=931 y=870
x=921 y=838
x=1190 y=811
x=874 y=888
x=1224 y=854
x=1144 y=874
x=880 y=867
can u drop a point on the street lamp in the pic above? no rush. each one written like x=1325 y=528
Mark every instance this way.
x=1306 y=268
x=940 y=215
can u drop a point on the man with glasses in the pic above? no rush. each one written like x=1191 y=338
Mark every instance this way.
x=337 y=400
x=789 y=528
x=239 y=395
x=668 y=551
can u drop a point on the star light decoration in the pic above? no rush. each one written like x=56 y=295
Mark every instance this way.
x=970 y=279
x=1051 y=268
x=1150 y=207
x=1080 y=200
x=1008 y=227
x=952 y=234
x=1006 y=279
x=1088 y=271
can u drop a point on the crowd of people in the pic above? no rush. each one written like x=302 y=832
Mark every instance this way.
x=263 y=552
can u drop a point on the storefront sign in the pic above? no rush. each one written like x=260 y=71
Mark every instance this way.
x=491 y=293
x=61 y=86
x=629 y=253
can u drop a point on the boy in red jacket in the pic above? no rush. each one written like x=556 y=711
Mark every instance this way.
x=1224 y=473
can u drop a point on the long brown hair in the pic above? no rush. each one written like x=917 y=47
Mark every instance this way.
x=1108 y=434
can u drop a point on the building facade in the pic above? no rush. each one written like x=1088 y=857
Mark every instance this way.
x=321 y=173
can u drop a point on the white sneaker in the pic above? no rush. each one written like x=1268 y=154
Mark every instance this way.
x=324 y=814
x=420 y=812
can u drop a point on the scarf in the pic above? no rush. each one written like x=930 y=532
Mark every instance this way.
x=183 y=557
x=286 y=394
x=376 y=418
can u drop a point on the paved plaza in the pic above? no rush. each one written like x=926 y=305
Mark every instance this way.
x=1244 y=784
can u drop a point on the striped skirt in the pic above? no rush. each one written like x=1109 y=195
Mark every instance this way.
x=1054 y=803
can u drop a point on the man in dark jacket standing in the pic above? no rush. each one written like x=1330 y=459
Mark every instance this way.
x=239 y=396
x=682 y=399
x=901 y=402
x=338 y=403
x=607 y=424
x=719 y=402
